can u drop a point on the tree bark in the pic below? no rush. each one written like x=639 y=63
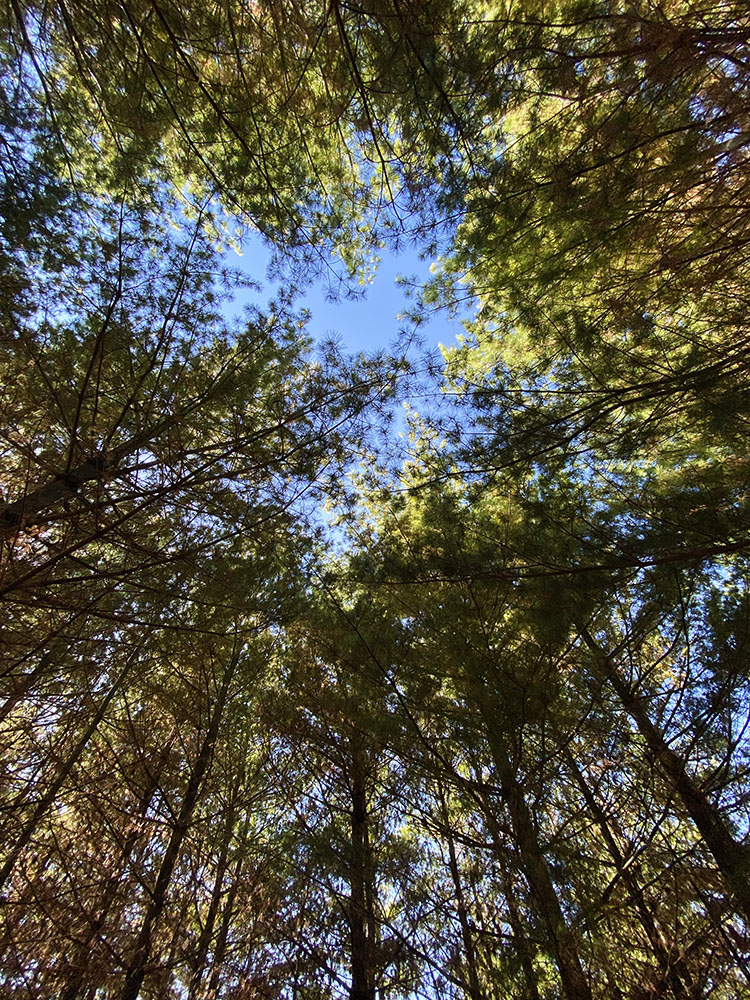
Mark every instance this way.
x=83 y=949
x=136 y=970
x=22 y=684
x=223 y=935
x=672 y=970
x=361 y=917
x=475 y=991
x=207 y=931
x=521 y=939
x=574 y=981
x=732 y=858
x=46 y=801
x=520 y=933
x=14 y=516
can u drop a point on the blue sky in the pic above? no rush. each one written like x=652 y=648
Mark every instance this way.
x=367 y=324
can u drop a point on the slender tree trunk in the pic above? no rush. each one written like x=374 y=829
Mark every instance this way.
x=361 y=916
x=223 y=935
x=136 y=970
x=207 y=931
x=83 y=949
x=475 y=991
x=732 y=858
x=63 y=773
x=672 y=971
x=521 y=938
x=520 y=934
x=574 y=981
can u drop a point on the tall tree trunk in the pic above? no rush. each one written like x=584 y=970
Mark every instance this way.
x=672 y=970
x=45 y=802
x=361 y=916
x=520 y=934
x=474 y=990
x=574 y=981
x=136 y=970
x=520 y=937
x=514 y=918
x=83 y=948
x=732 y=858
x=204 y=941
x=223 y=935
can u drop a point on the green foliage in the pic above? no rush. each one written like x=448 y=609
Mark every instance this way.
x=483 y=734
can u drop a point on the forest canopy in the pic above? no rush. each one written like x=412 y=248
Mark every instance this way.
x=294 y=708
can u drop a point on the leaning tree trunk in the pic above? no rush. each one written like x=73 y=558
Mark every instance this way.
x=136 y=970
x=47 y=800
x=672 y=971
x=562 y=939
x=732 y=858
x=84 y=947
